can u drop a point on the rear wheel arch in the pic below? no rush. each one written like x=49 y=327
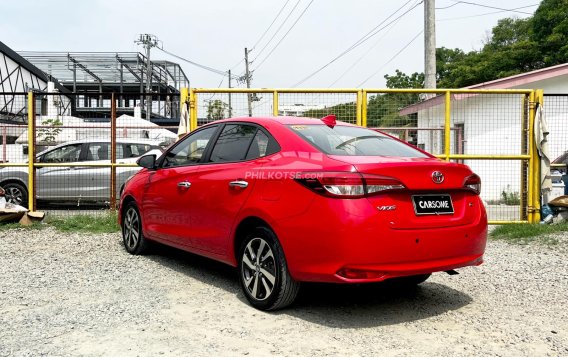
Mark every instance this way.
x=247 y=225
x=262 y=265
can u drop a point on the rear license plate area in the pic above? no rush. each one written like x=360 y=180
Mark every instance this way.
x=432 y=204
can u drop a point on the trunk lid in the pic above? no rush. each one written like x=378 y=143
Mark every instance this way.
x=398 y=208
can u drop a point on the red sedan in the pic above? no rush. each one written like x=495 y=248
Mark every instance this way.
x=290 y=200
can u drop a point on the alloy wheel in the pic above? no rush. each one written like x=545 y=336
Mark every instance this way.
x=258 y=269
x=14 y=195
x=131 y=230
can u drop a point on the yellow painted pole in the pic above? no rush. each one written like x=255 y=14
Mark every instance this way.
x=364 y=108
x=447 y=124
x=359 y=108
x=531 y=174
x=275 y=103
x=539 y=98
x=31 y=151
x=192 y=110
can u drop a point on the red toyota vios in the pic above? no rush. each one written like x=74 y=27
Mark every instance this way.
x=290 y=200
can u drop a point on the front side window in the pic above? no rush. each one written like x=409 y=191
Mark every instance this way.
x=190 y=149
x=353 y=141
x=129 y=150
x=68 y=153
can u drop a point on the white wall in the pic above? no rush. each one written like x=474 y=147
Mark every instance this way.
x=492 y=126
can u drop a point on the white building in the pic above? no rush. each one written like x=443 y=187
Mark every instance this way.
x=294 y=110
x=491 y=124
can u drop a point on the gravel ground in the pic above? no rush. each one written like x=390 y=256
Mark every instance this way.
x=80 y=294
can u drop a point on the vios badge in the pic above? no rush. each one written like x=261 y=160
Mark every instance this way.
x=386 y=208
x=437 y=177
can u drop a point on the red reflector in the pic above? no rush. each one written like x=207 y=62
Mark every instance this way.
x=349 y=273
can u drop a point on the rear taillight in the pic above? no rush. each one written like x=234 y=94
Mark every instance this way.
x=473 y=183
x=347 y=184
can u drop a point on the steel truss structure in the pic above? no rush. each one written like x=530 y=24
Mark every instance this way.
x=92 y=74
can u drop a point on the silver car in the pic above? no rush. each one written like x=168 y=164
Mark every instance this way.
x=76 y=184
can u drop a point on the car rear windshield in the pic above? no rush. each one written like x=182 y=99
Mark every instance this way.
x=353 y=141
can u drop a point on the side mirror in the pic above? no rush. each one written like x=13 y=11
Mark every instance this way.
x=147 y=161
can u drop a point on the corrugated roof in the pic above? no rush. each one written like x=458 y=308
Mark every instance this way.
x=515 y=81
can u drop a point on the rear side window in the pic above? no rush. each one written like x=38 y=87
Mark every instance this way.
x=353 y=141
x=262 y=145
x=233 y=143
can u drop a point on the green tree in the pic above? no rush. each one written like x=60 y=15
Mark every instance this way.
x=550 y=31
x=514 y=46
x=216 y=109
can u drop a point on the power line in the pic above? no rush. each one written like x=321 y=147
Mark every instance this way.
x=491 y=7
x=362 y=40
x=270 y=26
x=277 y=30
x=392 y=58
x=485 y=14
x=207 y=68
x=283 y=37
x=447 y=7
x=364 y=54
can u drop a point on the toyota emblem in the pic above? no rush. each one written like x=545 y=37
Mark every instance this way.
x=437 y=177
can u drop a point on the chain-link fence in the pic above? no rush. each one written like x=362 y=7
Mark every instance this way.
x=556 y=114
x=487 y=130
x=82 y=147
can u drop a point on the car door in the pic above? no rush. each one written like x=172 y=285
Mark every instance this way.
x=222 y=184
x=169 y=193
x=54 y=182
x=93 y=182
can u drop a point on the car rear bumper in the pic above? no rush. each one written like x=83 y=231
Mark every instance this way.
x=358 y=246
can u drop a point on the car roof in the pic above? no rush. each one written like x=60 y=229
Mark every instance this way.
x=102 y=140
x=107 y=140
x=285 y=120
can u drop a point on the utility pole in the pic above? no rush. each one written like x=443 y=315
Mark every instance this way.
x=230 y=108
x=247 y=75
x=148 y=41
x=429 y=45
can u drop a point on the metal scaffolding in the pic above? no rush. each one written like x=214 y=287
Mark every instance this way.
x=91 y=74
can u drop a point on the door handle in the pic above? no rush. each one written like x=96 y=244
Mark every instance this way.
x=184 y=184
x=239 y=183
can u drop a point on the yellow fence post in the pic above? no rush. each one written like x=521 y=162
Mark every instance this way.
x=538 y=101
x=364 y=108
x=532 y=154
x=275 y=103
x=447 y=125
x=31 y=151
x=192 y=110
x=359 y=105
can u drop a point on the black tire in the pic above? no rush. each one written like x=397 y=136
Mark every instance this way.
x=263 y=272
x=409 y=281
x=16 y=193
x=132 y=236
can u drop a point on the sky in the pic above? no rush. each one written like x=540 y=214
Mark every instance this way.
x=214 y=33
